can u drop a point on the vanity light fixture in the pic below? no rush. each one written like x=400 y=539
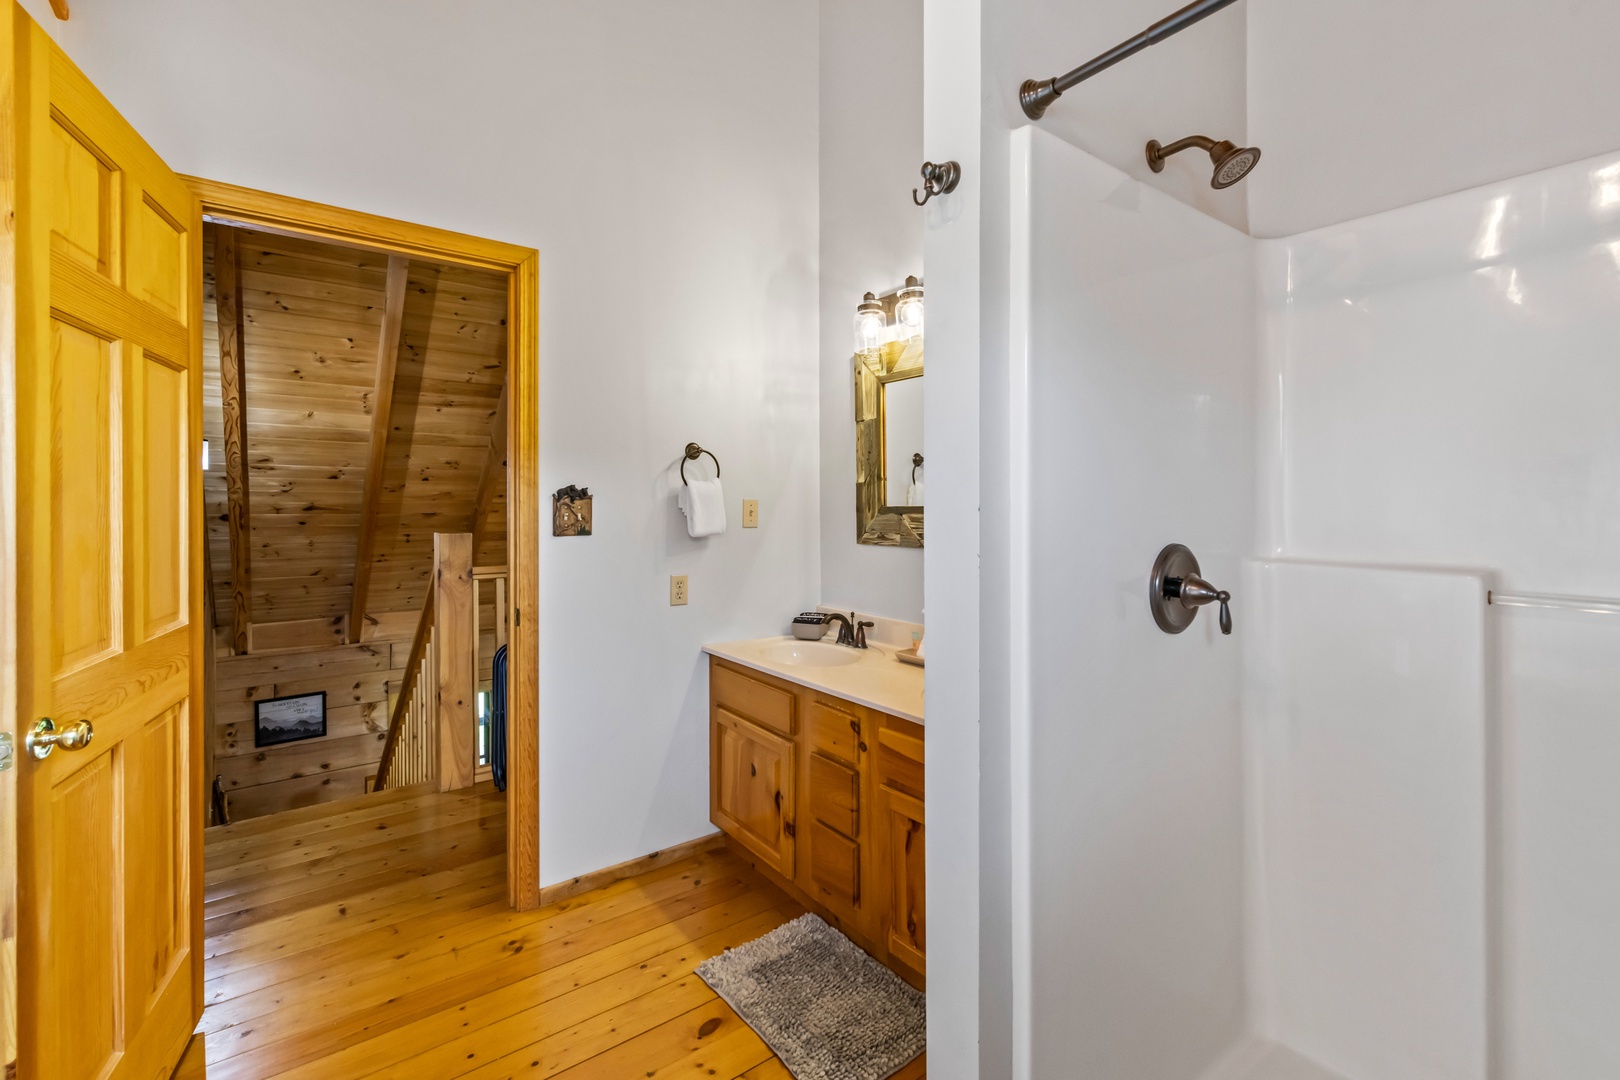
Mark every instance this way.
x=870 y=325
x=908 y=311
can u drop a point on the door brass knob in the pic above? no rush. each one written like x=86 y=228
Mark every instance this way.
x=45 y=737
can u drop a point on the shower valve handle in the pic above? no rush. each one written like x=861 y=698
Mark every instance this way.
x=1177 y=589
x=1194 y=592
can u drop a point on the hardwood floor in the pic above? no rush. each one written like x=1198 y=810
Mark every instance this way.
x=371 y=938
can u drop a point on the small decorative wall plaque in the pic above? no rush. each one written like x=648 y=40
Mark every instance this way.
x=289 y=719
x=571 y=512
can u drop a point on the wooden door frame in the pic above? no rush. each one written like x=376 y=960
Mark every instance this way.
x=233 y=205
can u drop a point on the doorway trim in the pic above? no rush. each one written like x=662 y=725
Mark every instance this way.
x=233 y=205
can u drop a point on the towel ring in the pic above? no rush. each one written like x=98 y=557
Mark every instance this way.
x=916 y=463
x=693 y=452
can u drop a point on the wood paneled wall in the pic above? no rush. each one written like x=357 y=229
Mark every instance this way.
x=358 y=680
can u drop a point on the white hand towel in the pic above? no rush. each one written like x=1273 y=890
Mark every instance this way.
x=704 y=504
x=914 y=494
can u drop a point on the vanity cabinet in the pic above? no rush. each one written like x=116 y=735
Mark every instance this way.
x=825 y=797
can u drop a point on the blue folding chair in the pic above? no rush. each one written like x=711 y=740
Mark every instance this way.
x=497 y=720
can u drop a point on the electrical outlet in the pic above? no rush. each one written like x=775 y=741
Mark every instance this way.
x=677 y=590
x=750 y=513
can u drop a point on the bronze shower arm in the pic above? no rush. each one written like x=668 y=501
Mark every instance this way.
x=1157 y=155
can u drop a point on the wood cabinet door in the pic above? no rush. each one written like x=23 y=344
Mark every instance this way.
x=751 y=791
x=109 y=594
x=905 y=919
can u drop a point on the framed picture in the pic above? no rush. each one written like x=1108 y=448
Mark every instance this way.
x=289 y=719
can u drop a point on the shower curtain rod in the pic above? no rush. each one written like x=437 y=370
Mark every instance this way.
x=1592 y=605
x=1036 y=94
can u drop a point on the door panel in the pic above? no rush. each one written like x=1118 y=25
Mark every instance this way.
x=82 y=877
x=753 y=788
x=84 y=536
x=159 y=474
x=108 y=484
x=154 y=768
x=906 y=919
x=157 y=258
x=84 y=213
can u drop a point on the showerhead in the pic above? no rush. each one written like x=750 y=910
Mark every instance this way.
x=1232 y=163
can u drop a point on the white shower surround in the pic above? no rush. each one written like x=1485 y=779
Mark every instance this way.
x=1426 y=388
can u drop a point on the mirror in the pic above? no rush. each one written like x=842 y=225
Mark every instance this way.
x=888 y=440
x=902 y=442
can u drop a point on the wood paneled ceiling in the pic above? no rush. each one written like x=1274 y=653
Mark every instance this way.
x=312 y=315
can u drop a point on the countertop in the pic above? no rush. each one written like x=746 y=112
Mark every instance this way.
x=877 y=680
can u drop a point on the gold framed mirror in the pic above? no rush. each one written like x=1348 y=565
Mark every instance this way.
x=888 y=445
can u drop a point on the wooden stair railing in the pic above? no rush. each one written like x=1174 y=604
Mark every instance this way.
x=407 y=754
x=432 y=731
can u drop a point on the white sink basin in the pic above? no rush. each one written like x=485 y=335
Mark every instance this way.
x=810 y=654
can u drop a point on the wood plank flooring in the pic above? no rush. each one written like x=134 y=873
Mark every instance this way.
x=371 y=938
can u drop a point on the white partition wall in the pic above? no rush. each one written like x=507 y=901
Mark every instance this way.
x=1137 y=335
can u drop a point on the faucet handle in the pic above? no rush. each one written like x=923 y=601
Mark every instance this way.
x=1194 y=592
x=860 y=634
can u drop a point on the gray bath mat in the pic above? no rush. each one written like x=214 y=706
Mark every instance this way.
x=828 y=1010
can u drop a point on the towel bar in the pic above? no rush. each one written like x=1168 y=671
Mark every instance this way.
x=1592 y=605
x=692 y=453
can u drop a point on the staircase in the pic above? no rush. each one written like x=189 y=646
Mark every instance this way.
x=433 y=733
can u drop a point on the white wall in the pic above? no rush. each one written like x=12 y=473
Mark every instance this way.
x=1444 y=376
x=952 y=66
x=871 y=239
x=663 y=160
x=1368 y=106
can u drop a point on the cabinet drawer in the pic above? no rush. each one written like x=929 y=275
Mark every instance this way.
x=900 y=760
x=835 y=794
x=835 y=866
x=752 y=699
x=835 y=732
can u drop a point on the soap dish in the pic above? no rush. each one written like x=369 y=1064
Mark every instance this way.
x=811 y=626
x=909 y=656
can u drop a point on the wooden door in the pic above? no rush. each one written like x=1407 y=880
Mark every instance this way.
x=109 y=590
x=906 y=918
x=751 y=790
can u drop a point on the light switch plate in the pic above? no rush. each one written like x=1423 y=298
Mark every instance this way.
x=677 y=590
x=750 y=513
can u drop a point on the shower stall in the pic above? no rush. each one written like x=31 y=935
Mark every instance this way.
x=1371 y=835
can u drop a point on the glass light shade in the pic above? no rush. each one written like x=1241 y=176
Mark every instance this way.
x=870 y=325
x=908 y=311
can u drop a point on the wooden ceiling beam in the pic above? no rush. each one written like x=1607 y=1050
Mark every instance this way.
x=493 y=477
x=382 y=407
x=233 y=401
